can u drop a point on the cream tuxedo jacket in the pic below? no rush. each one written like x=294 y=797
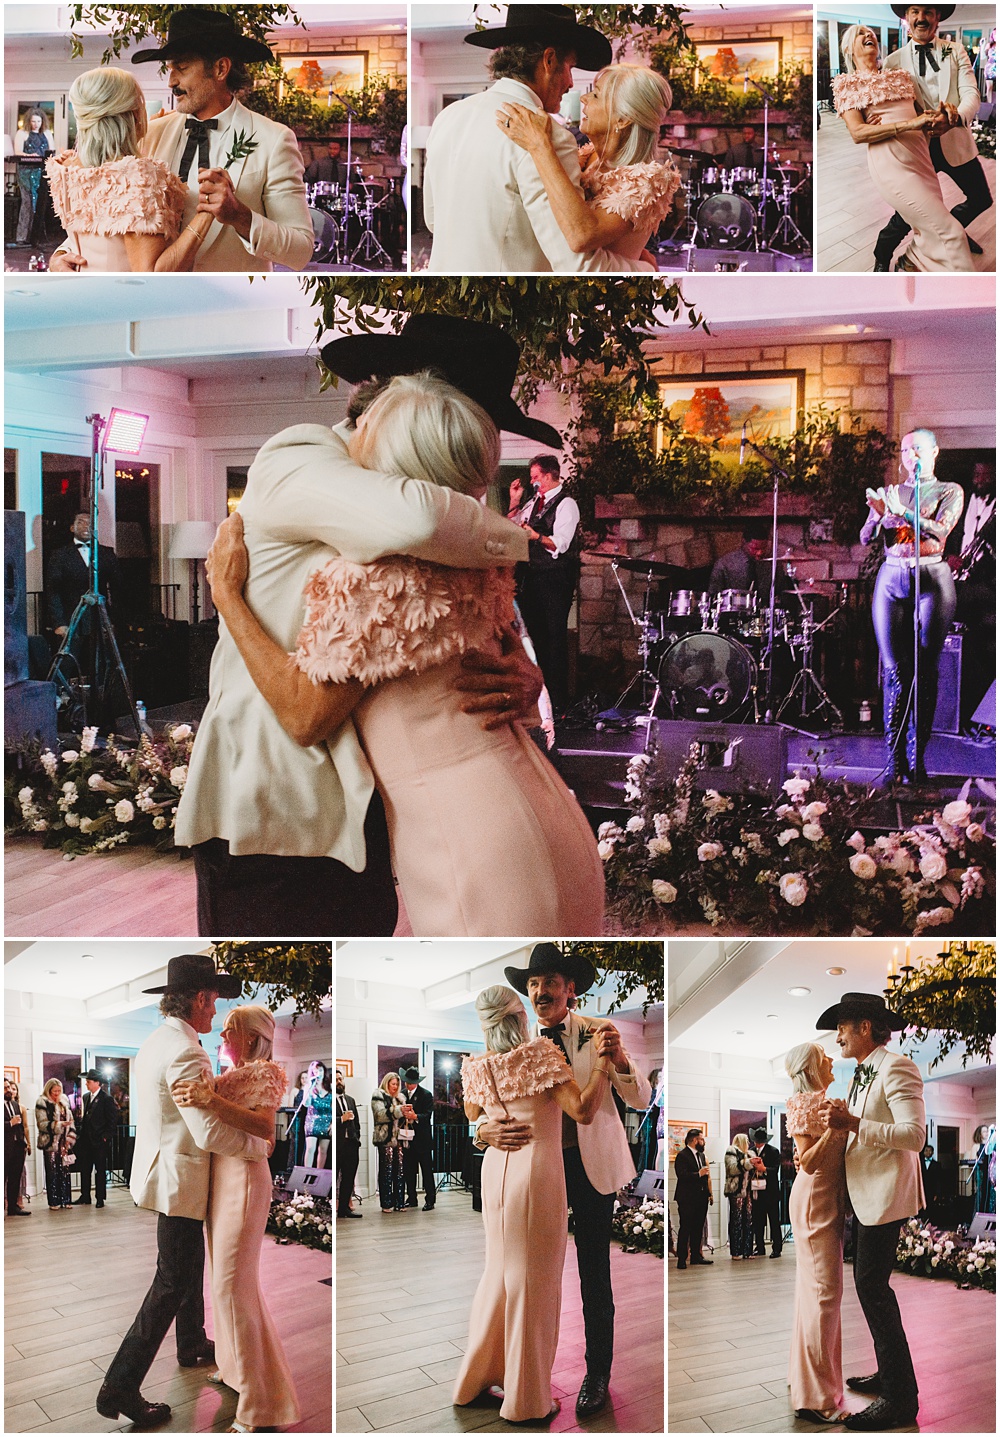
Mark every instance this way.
x=306 y=501
x=883 y=1158
x=484 y=200
x=269 y=182
x=604 y=1147
x=173 y=1146
x=956 y=86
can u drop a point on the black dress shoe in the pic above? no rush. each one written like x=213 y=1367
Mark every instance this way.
x=881 y=266
x=19 y=1212
x=702 y=1262
x=350 y=1214
x=593 y=1396
x=973 y=247
x=81 y=1202
x=872 y=1385
x=114 y=1404
x=99 y=1204
x=204 y=1358
x=776 y=1254
x=879 y=1416
x=428 y=1207
x=681 y=1266
x=412 y=1202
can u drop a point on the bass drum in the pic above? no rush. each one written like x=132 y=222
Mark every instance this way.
x=706 y=676
x=726 y=221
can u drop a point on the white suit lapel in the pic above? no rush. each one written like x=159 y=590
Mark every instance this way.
x=242 y=123
x=862 y=1097
x=947 y=77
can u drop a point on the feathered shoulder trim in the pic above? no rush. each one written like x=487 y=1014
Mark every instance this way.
x=641 y=194
x=134 y=195
x=378 y=621
x=531 y=1068
x=857 y=91
x=802 y=1115
x=260 y=1084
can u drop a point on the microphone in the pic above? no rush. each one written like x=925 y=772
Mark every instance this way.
x=746 y=81
x=743 y=441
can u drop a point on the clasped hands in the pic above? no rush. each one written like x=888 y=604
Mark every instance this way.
x=838 y=1116
x=216 y=197
x=886 y=500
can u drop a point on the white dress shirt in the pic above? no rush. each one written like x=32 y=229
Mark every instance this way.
x=220 y=143
x=567 y=519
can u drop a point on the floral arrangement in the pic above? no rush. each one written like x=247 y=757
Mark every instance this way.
x=91 y=797
x=639 y=1229
x=303 y=1219
x=800 y=865
x=926 y=1251
x=985 y=137
x=952 y=999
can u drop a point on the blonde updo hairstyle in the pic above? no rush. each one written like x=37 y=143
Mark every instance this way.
x=502 y=1018
x=804 y=1065
x=425 y=428
x=255 y=1026
x=641 y=97
x=847 y=46
x=110 y=115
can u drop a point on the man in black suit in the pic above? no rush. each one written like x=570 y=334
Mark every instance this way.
x=69 y=576
x=348 y=1148
x=329 y=168
x=15 y=1149
x=691 y=1197
x=420 y=1152
x=767 y=1204
x=744 y=153
x=93 y=1139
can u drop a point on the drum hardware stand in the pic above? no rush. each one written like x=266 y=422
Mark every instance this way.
x=786 y=226
x=806 y=679
x=778 y=474
x=762 y=211
x=369 y=241
x=645 y=675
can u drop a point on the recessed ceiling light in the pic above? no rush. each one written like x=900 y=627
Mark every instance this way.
x=388 y=960
x=133 y=280
x=836 y=972
x=771 y=1015
x=800 y=992
x=25 y=293
x=738 y=1032
x=52 y=972
x=87 y=957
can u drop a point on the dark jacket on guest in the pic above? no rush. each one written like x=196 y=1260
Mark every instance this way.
x=423 y=1105
x=772 y=1162
x=347 y=1133
x=98 y=1119
x=690 y=1187
x=68 y=577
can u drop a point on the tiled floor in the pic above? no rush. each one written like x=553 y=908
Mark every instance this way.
x=851 y=212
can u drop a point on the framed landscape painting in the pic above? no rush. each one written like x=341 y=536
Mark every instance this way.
x=677 y=1131
x=712 y=408
x=326 y=75
x=730 y=60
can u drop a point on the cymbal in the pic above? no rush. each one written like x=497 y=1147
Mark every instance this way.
x=691 y=154
x=642 y=566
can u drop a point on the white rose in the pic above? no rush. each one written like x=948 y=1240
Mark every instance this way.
x=658 y=847
x=605 y=848
x=635 y=824
x=812 y=831
x=86 y=824
x=72 y=820
x=183 y=730
x=980 y=1262
x=857 y=842
x=69 y=755
x=664 y=892
x=637 y=1229
x=708 y=852
x=178 y=775
x=785 y=809
x=901 y=862
x=99 y=784
x=124 y=812
x=647 y=1227
x=159 y=821
x=862 y=866
x=933 y=865
x=957 y=813
x=975 y=833
x=49 y=762
x=918 y=1251
x=787 y=836
x=813 y=810
x=796 y=788
x=25 y=795
x=793 y=888
x=935 y=1261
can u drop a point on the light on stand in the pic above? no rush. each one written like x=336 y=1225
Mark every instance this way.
x=124 y=431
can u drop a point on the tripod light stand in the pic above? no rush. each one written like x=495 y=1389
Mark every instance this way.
x=121 y=432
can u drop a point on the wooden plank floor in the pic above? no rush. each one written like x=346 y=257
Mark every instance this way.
x=405 y=1283
x=729 y=1328
x=73 y=1281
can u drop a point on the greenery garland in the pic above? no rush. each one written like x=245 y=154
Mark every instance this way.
x=937 y=1003
x=301 y=973
x=631 y=965
x=126 y=24
x=637 y=25
x=696 y=92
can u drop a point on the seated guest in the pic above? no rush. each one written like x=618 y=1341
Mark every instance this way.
x=744 y=153
x=327 y=169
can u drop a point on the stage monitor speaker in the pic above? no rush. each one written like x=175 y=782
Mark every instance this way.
x=15 y=599
x=731 y=261
x=650 y=1185
x=947 y=715
x=732 y=757
x=318 y=1182
x=983 y=1225
x=986 y=713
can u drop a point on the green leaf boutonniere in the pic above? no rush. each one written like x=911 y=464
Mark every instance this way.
x=243 y=146
x=864 y=1076
x=585 y=1036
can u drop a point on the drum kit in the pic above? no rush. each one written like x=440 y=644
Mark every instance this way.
x=349 y=218
x=743 y=208
x=707 y=657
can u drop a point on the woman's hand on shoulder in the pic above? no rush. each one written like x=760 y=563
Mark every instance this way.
x=193 y=1093
x=228 y=563
x=530 y=129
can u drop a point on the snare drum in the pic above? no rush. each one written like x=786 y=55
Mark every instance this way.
x=740 y=180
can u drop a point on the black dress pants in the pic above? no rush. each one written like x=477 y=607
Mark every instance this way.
x=176 y=1292
x=592 y=1214
x=13 y=1167
x=970 y=179
x=767 y=1209
x=93 y=1157
x=545 y=601
x=347 y=1169
x=874 y=1259
x=693 y=1212
x=419 y=1157
x=261 y=895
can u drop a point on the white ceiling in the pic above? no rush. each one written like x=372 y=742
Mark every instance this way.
x=55 y=19
x=970 y=16
x=74 y=968
x=68 y=299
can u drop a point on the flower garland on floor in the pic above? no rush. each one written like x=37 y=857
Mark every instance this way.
x=303 y=1219
x=92 y=797
x=800 y=865
x=926 y=1251
x=639 y=1229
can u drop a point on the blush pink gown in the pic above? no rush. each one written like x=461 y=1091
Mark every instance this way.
x=248 y=1349
x=642 y=194
x=816 y=1209
x=98 y=204
x=460 y=802
x=514 y=1322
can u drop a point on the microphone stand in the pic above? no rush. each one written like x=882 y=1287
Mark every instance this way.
x=916 y=615
x=778 y=474
x=762 y=211
x=352 y=114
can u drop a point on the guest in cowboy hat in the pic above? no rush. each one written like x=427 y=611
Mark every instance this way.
x=943 y=79
x=170 y=1176
x=886 y=1123
x=596 y=1158
x=484 y=199
x=420 y=1152
x=386 y=641
x=767 y=1201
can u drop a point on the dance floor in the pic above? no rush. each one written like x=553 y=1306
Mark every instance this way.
x=404 y=1286
x=73 y=1281
x=850 y=211
x=729 y=1331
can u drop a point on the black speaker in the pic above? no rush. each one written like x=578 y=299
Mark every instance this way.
x=731 y=261
x=947 y=714
x=732 y=757
x=15 y=599
x=986 y=713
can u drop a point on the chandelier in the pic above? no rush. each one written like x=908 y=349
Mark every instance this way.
x=952 y=997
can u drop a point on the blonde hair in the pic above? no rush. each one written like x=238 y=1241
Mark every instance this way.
x=804 y=1065
x=423 y=427
x=256 y=1025
x=110 y=115
x=502 y=1018
x=390 y=1077
x=742 y=1142
x=641 y=97
x=53 y=1083
x=847 y=46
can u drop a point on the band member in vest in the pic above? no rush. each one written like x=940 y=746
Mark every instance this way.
x=549 y=578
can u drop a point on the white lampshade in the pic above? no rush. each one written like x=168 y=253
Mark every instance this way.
x=191 y=539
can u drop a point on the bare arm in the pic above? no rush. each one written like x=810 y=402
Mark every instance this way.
x=812 y=1150
x=472 y=1111
x=582 y=1106
x=147 y=253
x=258 y=1122
x=864 y=132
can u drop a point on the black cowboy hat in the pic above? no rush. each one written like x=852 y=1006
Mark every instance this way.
x=93 y=1075
x=553 y=24
x=195 y=972
x=759 y=1135
x=479 y=359
x=853 y=1007
x=546 y=958
x=197 y=31
x=944 y=12
x=412 y=1075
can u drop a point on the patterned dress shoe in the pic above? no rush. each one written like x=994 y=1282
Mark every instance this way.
x=593 y=1396
x=872 y=1385
x=114 y=1404
x=879 y=1416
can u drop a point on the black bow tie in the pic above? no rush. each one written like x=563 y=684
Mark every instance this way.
x=926 y=57
x=197 y=144
x=553 y=1033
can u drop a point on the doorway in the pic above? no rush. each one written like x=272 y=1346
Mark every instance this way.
x=948 y=1153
